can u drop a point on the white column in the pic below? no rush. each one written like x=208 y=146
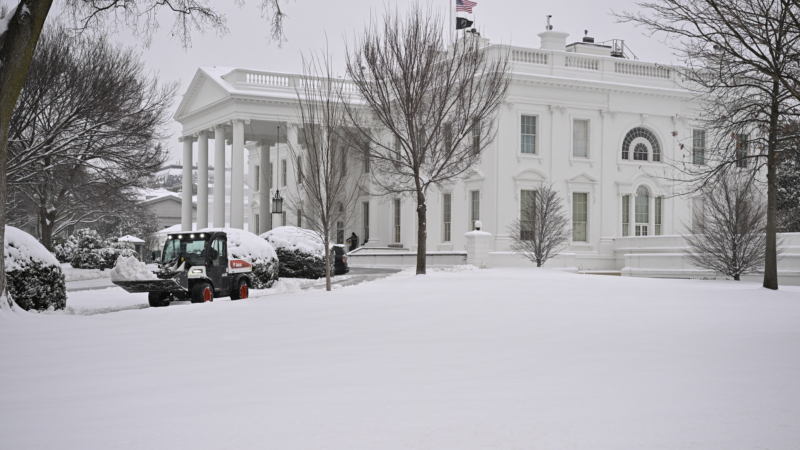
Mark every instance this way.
x=264 y=208
x=219 y=176
x=186 y=197
x=202 y=180
x=237 y=175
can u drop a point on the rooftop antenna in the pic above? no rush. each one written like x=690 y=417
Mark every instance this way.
x=549 y=27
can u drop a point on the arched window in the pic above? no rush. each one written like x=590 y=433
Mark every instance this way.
x=642 y=210
x=641 y=144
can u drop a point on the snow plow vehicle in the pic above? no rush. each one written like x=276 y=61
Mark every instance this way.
x=195 y=266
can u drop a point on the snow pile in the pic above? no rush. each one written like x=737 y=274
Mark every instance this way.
x=34 y=275
x=295 y=238
x=128 y=268
x=258 y=252
x=301 y=252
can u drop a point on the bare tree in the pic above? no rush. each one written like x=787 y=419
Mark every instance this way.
x=543 y=228
x=729 y=231
x=22 y=24
x=741 y=59
x=426 y=110
x=86 y=132
x=327 y=190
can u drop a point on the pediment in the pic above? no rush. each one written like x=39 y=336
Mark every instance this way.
x=530 y=175
x=582 y=177
x=202 y=91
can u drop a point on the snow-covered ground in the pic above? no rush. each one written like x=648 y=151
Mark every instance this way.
x=480 y=359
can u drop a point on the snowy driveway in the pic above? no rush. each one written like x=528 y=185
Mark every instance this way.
x=498 y=358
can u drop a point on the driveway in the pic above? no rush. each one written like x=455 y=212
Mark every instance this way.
x=355 y=276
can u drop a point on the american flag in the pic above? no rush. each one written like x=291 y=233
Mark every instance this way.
x=465 y=5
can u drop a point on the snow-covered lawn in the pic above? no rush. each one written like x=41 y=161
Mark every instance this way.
x=481 y=359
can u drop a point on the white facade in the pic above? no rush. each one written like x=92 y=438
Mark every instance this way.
x=575 y=110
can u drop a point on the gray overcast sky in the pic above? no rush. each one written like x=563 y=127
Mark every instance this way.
x=309 y=22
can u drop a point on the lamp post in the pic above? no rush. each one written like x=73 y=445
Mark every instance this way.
x=277 y=200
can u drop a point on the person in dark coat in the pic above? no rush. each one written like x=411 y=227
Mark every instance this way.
x=353 y=242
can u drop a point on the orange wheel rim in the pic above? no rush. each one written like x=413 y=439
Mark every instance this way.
x=207 y=295
x=243 y=291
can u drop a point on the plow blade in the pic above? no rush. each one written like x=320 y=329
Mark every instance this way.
x=135 y=286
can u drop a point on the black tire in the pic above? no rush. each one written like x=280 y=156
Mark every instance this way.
x=241 y=290
x=158 y=299
x=202 y=292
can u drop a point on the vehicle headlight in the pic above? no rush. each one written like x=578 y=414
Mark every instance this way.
x=197 y=270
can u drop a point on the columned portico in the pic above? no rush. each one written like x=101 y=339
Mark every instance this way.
x=237 y=174
x=264 y=210
x=219 y=176
x=202 y=180
x=186 y=194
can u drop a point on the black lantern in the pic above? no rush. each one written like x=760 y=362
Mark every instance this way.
x=277 y=203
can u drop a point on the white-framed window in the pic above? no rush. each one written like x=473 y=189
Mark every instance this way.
x=397 y=220
x=283 y=218
x=283 y=172
x=365 y=155
x=271 y=168
x=626 y=215
x=742 y=142
x=641 y=211
x=527 y=213
x=365 y=220
x=699 y=146
x=447 y=216
x=257 y=224
x=580 y=138
x=397 y=148
x=659 y=206
x=476 y=138
x=641 y=144
x=300 y=218
x=580 y=216
x=474 y=208
x=299 y=170
x=528 y=129
x=257 y=173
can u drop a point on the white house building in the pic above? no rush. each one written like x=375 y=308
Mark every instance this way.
x=600 y=128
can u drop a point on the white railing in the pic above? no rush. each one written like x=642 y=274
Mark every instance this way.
x=269 y=79
x=642 y=70
x=530 y=57
x=580 y=62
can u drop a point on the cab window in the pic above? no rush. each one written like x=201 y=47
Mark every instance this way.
x=217 y=254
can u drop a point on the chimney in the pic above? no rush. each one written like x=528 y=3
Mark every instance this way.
x=553 y=40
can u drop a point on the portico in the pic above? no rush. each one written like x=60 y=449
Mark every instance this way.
x=226 y=105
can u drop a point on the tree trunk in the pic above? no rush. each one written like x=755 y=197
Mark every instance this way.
x=736 y=277
x=422 y=233
x=771 y=254
x=327 y=242
x=16 y=52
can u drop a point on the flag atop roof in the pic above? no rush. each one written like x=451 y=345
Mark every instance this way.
x=465 y=6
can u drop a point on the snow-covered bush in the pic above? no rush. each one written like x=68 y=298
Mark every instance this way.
x=301 y=252
x=33 y=274
x=258 y=252
x=90 y=251
x=114 y=250
x=64 y=248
